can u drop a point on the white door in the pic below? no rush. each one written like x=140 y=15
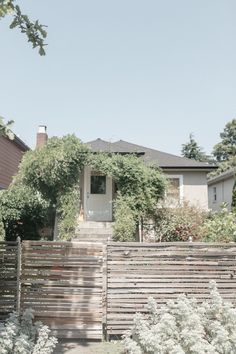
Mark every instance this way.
x=98 y=196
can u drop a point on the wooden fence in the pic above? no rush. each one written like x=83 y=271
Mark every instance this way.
x=85 y=290
x=136 y=271
x=8 y=278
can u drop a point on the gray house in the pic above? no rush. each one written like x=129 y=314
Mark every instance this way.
x=220 y=189
x=188 y=179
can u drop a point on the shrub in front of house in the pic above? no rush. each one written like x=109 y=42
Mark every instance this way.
x=176 y=224
x=126 y=225
x=220 y=227
x=184 y=327
x=21 y=335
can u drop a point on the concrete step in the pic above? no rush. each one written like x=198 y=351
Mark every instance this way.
x=95 y=225
x=92 y=238
x=92 y=231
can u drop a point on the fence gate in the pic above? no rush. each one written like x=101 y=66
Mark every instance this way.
x=63 y=283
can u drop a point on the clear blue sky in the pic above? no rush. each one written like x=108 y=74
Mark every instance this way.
x=146 y=71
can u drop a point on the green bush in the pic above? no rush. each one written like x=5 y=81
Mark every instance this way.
x=126 y=225
x=177 y=224
x=184 y=327
x=20 y=335
x=2 y=231
x=220 y=227
x=234 y=197
x=23 y=212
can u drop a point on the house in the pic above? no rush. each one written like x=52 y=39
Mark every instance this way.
x=220 y=189
x=11 y=152
x=188 y=179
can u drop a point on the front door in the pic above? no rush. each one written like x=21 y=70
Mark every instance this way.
x=98 y=196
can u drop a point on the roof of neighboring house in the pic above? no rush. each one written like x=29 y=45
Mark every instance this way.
x=20 y=143
x=163 y=159
x=222 y=177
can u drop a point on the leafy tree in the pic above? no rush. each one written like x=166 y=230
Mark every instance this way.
x=226 y=149
x=224 y=166
x=34 y=31
x=54 y=170
x=191 y=150
x=5 y=128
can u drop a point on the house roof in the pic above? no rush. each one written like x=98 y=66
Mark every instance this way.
x=163 y=159
x=21 y=143
x=222 y=177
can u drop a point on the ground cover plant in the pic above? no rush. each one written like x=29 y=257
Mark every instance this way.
x=184 y=327
x=21 y=335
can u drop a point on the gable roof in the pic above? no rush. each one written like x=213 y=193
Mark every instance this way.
x=163 y=159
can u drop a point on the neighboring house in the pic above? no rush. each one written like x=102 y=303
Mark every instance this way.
x=188 y=179
x=11 y=152
x=220 y=189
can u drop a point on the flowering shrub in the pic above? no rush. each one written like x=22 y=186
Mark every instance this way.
x=177 y=224
x=184 y=327
x=20 y=335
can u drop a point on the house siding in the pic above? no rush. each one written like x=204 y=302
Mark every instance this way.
x=10 y=157
x=194 y=187
x=224 y=191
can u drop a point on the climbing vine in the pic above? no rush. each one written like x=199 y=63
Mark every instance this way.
x=48 y=184
x=139 y=187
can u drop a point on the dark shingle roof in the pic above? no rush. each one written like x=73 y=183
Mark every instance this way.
x=163 y=159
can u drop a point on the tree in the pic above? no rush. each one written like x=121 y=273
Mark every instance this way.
x=34 y=31
x=226 y=149
x=5 y=128
x=54 y=171
x=191 y=150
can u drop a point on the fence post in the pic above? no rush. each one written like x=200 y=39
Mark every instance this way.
x=104 y=295
x=18 y=276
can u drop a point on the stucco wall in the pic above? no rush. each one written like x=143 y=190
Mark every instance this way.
x=195 y=189
x=223 y=192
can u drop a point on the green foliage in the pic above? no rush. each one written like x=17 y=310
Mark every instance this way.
x=177 y=224
x=21 y=335
x=220 y=227
x=139 y=185
x=184 y=326
x=2 y=231
x=234 y=197
x=126 y=219
x=227 y=147
x=23 y=211
x=53 y=171
x=191 y=150
x=67 y=211
x=5 y=128
x=224 y=166
x=34 y=31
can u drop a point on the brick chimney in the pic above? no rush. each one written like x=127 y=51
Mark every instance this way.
x=42 y=136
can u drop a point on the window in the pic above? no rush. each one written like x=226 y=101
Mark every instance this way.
x=214 y=195
x=98 y=184
x=174 y=193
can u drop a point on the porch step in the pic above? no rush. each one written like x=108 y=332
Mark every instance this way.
x=93 y=238
x=92 y=231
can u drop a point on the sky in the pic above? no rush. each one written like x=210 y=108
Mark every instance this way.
x=147 y=71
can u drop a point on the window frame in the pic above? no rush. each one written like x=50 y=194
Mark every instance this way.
x=181 y=186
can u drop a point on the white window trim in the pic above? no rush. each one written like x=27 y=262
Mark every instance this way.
x=181 y=186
